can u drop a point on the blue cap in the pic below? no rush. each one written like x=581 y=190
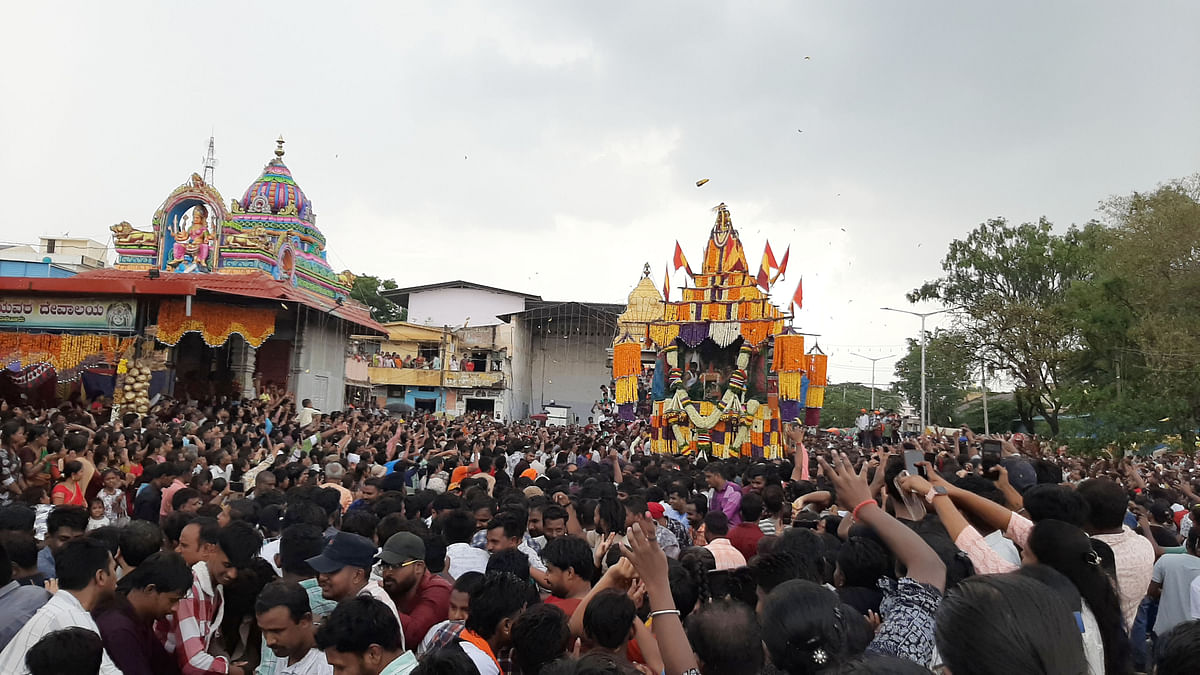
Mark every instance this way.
x=344 y=550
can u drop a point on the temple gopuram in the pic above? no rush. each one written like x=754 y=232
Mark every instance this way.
x=728 y=370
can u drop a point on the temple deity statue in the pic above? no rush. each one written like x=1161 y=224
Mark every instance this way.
x=724 y=251
x=192 y=244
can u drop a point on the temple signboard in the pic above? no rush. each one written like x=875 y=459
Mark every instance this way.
x=111 y=315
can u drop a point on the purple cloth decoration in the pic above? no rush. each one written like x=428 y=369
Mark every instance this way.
x=626 y=411
x=790 y=410
x=693 y=334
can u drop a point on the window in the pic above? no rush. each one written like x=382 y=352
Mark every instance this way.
x=428 y=350
x=478 y=361
x=50 y=245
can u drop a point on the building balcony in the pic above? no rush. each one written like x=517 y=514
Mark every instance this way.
x=410 y=377
x=461 y=379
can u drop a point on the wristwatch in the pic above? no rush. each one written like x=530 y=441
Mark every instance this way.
x=935 y=491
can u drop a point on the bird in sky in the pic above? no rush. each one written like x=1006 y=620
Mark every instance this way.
x=700 y=182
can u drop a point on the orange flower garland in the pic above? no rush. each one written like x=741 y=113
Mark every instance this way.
x=789 y=354
x=627 y=359
x=214 y=322
x=817 y=364
x=64 y=352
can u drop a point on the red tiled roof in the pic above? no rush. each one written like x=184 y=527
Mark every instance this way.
x=129 y=282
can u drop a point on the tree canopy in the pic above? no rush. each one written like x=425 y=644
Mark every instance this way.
x=366 y=290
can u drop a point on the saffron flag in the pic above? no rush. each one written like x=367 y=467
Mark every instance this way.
x=782 y=265
x=764 y=270
x=798 y=296
x=667 y=283
x=681 y=260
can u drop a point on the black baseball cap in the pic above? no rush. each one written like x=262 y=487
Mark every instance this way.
x=344 y=550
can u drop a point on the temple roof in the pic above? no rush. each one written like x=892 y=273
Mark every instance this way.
x=275 y=189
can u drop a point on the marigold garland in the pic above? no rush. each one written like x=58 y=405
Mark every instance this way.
x=790 y=386
x=663 y=334
x=626 y=390
x=65 y=353
x=627 y=359
x=214 y=322
x=816 y=397
x=817 y=365
x=789 y=354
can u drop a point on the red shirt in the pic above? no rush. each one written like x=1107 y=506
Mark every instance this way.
x=567 y=605
x=744 y=537
x=428 y=606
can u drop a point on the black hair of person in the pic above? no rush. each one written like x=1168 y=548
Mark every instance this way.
x=1107 y=502
x=1056 y=581
x=611 y=513
x=512 y=561
x=725 y=635
x=297 y=544
x=210 y=529
x=1059 y=502
x=996 y=624
x=1178 y=652
x=513 y=523
x=807 y=548
x=287 y=594
x=166 y=571
x=458 y=526
x=356 y=624
x=468 y=582
x=360 y=521
x=70 y=517
x=77 y=562
x=570 y=552
x=500 y=596
x=540 y=635
x=304 y=512
x=240 y=541
x=1068 y=549
x=245 y=510
x=803 y=628
x=859 y=632
x=609 y=617
x=448 y=660
x=182 y=496
x=110 y=535
x=751 y=508
x=595 y=663
x=17 y=518
x=716 y=524
x=70 y=651
x=862 y=561
x=22 y=548
x=139 y=540
x=173 y=524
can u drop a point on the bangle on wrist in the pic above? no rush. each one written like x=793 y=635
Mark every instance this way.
x=665 y=611
x=865 y=502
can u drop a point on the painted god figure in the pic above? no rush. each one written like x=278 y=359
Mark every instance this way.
x=724 y=252
x=192 y=244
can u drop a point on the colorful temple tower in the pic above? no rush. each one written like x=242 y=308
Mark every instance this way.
x=271 y=229
x=728 y=371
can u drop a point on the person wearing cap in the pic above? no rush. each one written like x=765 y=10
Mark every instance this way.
x=344 y=570
x=334 y=473
x=421 y=597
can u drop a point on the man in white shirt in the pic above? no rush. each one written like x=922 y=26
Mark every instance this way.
x=458 y=528
x=285 y=618
x=87 y=576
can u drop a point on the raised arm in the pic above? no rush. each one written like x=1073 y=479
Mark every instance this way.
x=922 y=562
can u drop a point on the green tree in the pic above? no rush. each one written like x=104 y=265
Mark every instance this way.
x=1010 y=284
x=949 y=360
x=366 y=290
x=1138 y=318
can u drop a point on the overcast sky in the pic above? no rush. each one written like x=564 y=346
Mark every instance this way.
x=553 y=147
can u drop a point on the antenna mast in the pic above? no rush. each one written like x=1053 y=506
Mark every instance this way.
x=210 y=163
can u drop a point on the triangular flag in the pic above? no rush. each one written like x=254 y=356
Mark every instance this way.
x=680 y=259
x=667 y=282
x=764 y=269
x=798 y=296
x=782 y=265
x=770 y=257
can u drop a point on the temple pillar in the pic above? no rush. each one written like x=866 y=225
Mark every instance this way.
x=242 y=357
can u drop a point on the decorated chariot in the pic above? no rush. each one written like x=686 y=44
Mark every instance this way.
x=722 y=370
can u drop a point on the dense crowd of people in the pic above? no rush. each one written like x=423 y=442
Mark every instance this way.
x=261 y=536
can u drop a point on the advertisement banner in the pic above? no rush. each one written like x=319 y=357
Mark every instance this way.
x=108 y=315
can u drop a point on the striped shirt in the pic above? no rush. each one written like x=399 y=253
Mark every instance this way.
x=61 y=611
x=187 y=633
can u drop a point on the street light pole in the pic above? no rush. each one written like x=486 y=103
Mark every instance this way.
x=873 y=360
x=924 y=344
